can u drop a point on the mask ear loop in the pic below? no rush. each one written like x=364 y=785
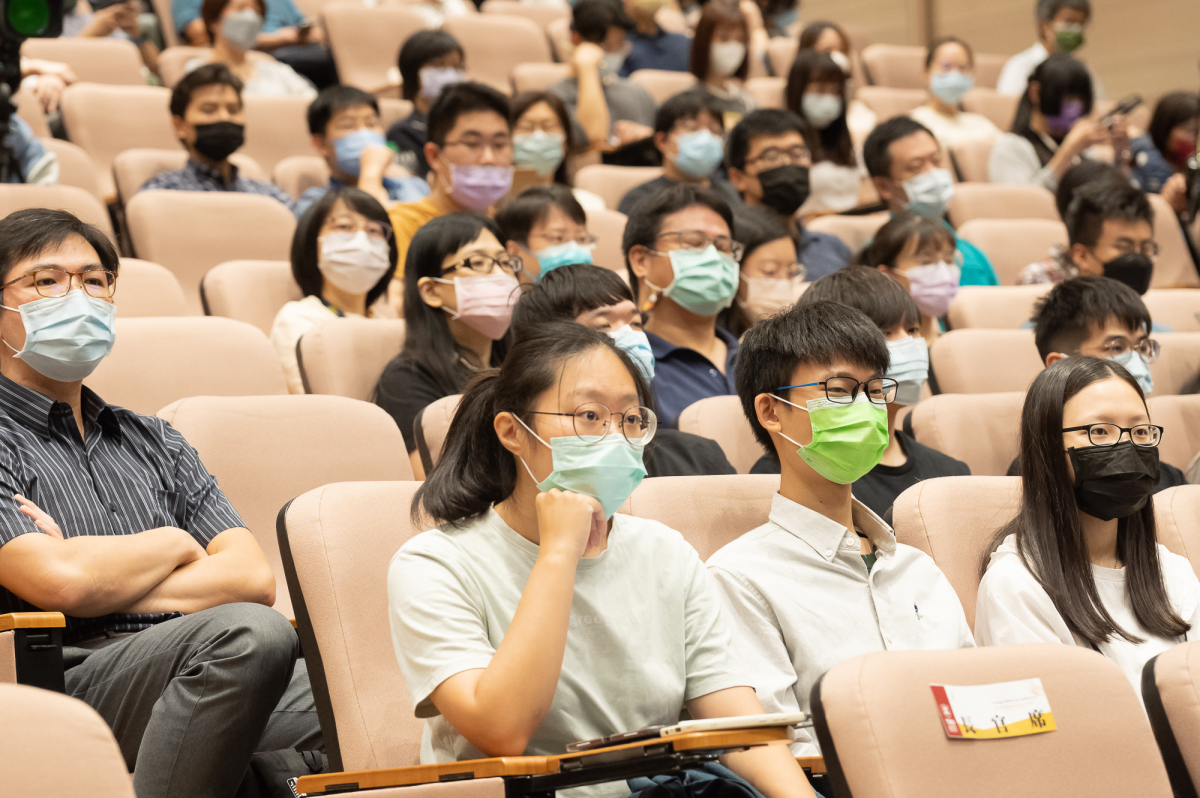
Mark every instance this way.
x=798 y=407
x=528 y=470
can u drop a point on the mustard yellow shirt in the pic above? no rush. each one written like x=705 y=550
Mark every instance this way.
x=407 y=218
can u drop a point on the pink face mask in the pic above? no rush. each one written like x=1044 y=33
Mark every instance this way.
x=485 y=303
x=934 y=287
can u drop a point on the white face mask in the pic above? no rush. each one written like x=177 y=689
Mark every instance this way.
x=821 y=109
x=354 y=262
x=725 y=58
x=766 y=296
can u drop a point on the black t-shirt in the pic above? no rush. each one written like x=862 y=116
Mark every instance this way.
x=879 y=488
x=1168 y=475
x=680 y=454
x=405 y=389
x=408 y=137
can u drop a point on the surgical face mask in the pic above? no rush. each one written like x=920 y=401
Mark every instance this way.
x=608 y=470
x=354 y=262
x=821 y=109
x=950 y=87
x=1180 y=150
x=540 y=151
x=727 y=57
x=1060 y=124
x=784 y=188
x=766 y=296
x=434 y=79
x=241 y=28
x=934 y=287
x=564 y=254
x=1114 y=481
x=1133 y=268
x=1137 y=365
x=1068 y=36
x=929 y=192
x=479 y=187
x=847 y=440
x=611 y=64
x=66 y=337
x=700 y=153
x=909 y=367
x=840 y=58
x=635 y=344
x=349 y=149
x=485 y=303
x=218 y=140
x=705 y=280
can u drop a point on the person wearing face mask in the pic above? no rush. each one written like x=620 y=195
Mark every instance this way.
x=547 y=229
x=817 y=93
x=904 y=161
x=459 y=289
x=234 y=26
x=542 y=138
x=828 y=37
x=651 y=47
x=690 y=134
x=769 y=162
x=1061 y=25
x=110 y=518
x=429 y=61
x=824 y=580
x=343 y=257
x=720 y=60
x=1161 y=154
x=117 y=20
x=949 y=75
x=770 y=277
x=1079 y=564
x=209 y=121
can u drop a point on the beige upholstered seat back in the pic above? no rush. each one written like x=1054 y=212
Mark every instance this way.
x=1177 y=516
x=94 y=60
x=1004 y=307
x=495 y=43
x=1171 y=691
x=539 y=75
x=971 y=158
x=1177 y=364
x=541 y=13
x=366 y=41
x=431 y=427
x=1001 y=201
x=276 y=128
x=663 y=84
x=985 y=101
x=1179 y=416
x=171 y=62
x=298 y=173
x=895 y=65
x=1012 y=244
x=855 y=231
x=252 y=291
x=608 y=226
x=1173 y=268
x=74 y=167
x=1177 y=308
x=132 y=168
x=614 y=182
x=984 y=361
x=767 y=92
x=147 y=289
x=82 y=203
x=982 y=429
x=721 y=418
x=346 y=356
x=889 y=101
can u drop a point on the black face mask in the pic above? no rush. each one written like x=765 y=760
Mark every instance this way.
x=1114 y=481
x=1133 y=268
x=785 y=188
x=218 y=140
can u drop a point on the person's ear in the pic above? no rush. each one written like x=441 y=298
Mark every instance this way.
x=1035 y=94
x=433 y=156
x=1085 y=260
x=1053 y=358
x=660 y=142
x=639 y=262
x=515 y=250
x=323 y=145
x=182 y=129
x=427 y=288
x=767 y=411
x=883 y=186
x=576 y=39
x=738 y=178
x=511 y=434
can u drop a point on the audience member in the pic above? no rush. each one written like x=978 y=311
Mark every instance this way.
x=430 y=60
x=1163 y=151
x=651 y=47
x=949 y=75
x=824 y=580
x=346 y=129
x=769 y=166
x=113 y=521
x=470 y=154
x=1060 y=25
x=683 y=267
x=482 y=608
x=598 y=298
x=828 y=37
x=32 y=162
x=721 y=59
x=117 y=20
x=817 y=93
x=905 y=164
x=1052 y=128
x=689 y=132
x=542 y=138
x=435 y=12
x=605 y=108
x=1079 y=564
x=459 y=289
x=233 y=26
x=780 y=17
x=546 y=228
x=343 y=257
x=209 y=120
x=770 y=276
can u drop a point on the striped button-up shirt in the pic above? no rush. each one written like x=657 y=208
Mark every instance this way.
x=129 y=474
x=197 y=176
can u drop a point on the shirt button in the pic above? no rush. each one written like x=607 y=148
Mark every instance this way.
x=112 y=507
x=712 y=372
x=828 y=552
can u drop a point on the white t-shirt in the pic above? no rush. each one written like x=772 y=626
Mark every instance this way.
x=1014 y=76
x=832 y=187
x=964 y=126
x=1012 y=607
x=271 y=78
x=646 y=629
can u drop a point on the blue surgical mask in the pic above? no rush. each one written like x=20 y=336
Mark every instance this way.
x=909 y=368
x=66 y=337
x=705 y=283
x=1139 y=367
x=949 y=87
x=564 y=254
x=540 y=151
x=929 y=192
x=700 y=153
x=635 y=344
x=349 y=149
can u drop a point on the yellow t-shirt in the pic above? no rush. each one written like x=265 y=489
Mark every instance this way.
x=407 y=218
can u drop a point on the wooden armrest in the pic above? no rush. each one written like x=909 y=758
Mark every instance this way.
x=813 y=764
x=292 y=621
x=31 y=620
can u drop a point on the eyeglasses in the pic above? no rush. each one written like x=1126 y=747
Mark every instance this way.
x=1104 y=434
x=583 y=240
x=373 y=229
x=499 y=145
x=592 y=420
x=482 y=265
x=1147 y=248
x=774 y=156
x=844 y=390
x=778 y=269
x=1147 y=348
x=698 y=239
x=99 y=283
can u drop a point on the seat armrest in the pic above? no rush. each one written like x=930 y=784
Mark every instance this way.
x=32 y=620
x=31 y=649
x=814 y=765
x=469 y=769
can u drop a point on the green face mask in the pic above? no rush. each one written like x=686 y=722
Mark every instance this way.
x=848 y=440
x=1068 y=37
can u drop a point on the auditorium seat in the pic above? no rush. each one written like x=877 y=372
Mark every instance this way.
x=1178 y=363
x=888 y=101
x=252 y=291
x=345 y=356
x=298 y=173
x=147 y=289
x=542 y=14
x=971 y=159
x=276 y=127
x=781 y=52
x=30 y=109
x=1173 y=268
x=495 y=43
x=663 y=84
x=985 y=101
x=1001 y=201
x=767 y=92
x=365 y=41
x=614 y=182
x=1170 y=692
x=113 y=61
x=721 y=419
x=895 y=66
x=980 y=360
x=855 y=231
x=1177 y=517
x=987 y=74
x=1004 y=307
x=266 y=450
x=156 y=361
x=74 y=167
x=132 y=168
x=1179 y=416
x=1177 y=308
x=538 y=76
x=171 y=62
x=882 y=732
x=558 y=33
x=1012 y=244
x=430 y=428
x=189 y=232
x=82 y=203
x=608 y=226
x=392 y=110
x=982 y=430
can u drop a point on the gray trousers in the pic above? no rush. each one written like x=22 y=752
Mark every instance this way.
x=190 y=700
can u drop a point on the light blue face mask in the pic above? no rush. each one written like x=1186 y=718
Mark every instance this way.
x=349 y=149
x=705 y=283
x=66 y=337
x=564 y=254
x=608 y=470
x=930 y=192
x=700 y=153
x=949 y=87
x=539 y=150
x=909 y=368
x=635 y=344
x=1139 y=367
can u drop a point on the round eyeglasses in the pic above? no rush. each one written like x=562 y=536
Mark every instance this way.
x=56 y=283
x=1105 y=434
x=1147 y=348
x=844 y=390
x=592 y=421
x=483 y=265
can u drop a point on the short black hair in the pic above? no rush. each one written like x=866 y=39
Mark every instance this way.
x=27 y=233
x=1048 y=9
x=306 y=246
x=941 y=41
x=211 y=74
x=418 y=50
x=817 y=333
x=1082 y=173
x=531 y=206
x=1100 y=200
x=645 y=219
x=591 y=19
x=876 y=153
x=565 y=293
x=1058 y=77
x=1174 y=109
x=1064 y=319
x=883 y=299
x=333 y=100
x=463 y=98
x=893 y=237
x=685 y=106
x=757 y=226
x=763 y=122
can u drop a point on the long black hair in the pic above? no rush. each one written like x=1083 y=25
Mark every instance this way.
x=1049 y=537
x=475 y=471
x=833 y=143
x=306 y=247
x=1058 y=77
x=526 y=100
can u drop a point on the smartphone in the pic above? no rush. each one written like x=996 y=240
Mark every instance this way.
x=647 y=733
x=1123 y=108
x=685 y=726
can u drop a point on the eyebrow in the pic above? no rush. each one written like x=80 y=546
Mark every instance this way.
x=39 y=266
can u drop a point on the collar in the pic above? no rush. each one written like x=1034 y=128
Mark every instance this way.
x=332 y=308
x=658 y=34
x=824 y=535
x=212 y=173
x=663 y=348
x=34 y=410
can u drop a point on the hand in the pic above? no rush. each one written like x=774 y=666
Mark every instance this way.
x=1118 y=135
x=569 y=523
x=48 y=90
x=1174 y=191
x=41 y=518
x=1085 y=133
x=105 y=21
x=586 y=58
x=627 y=131
x=374 y=160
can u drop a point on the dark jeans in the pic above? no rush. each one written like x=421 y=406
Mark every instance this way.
x=313 y=61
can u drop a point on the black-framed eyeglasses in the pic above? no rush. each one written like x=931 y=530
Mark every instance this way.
x=349 y=226
x=483 y=265
x=776 y=156
x=1147 y=348
x=698 y=239
x=592 y=421
x=1105 y=434
x=56 y=283
x=844 y=390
